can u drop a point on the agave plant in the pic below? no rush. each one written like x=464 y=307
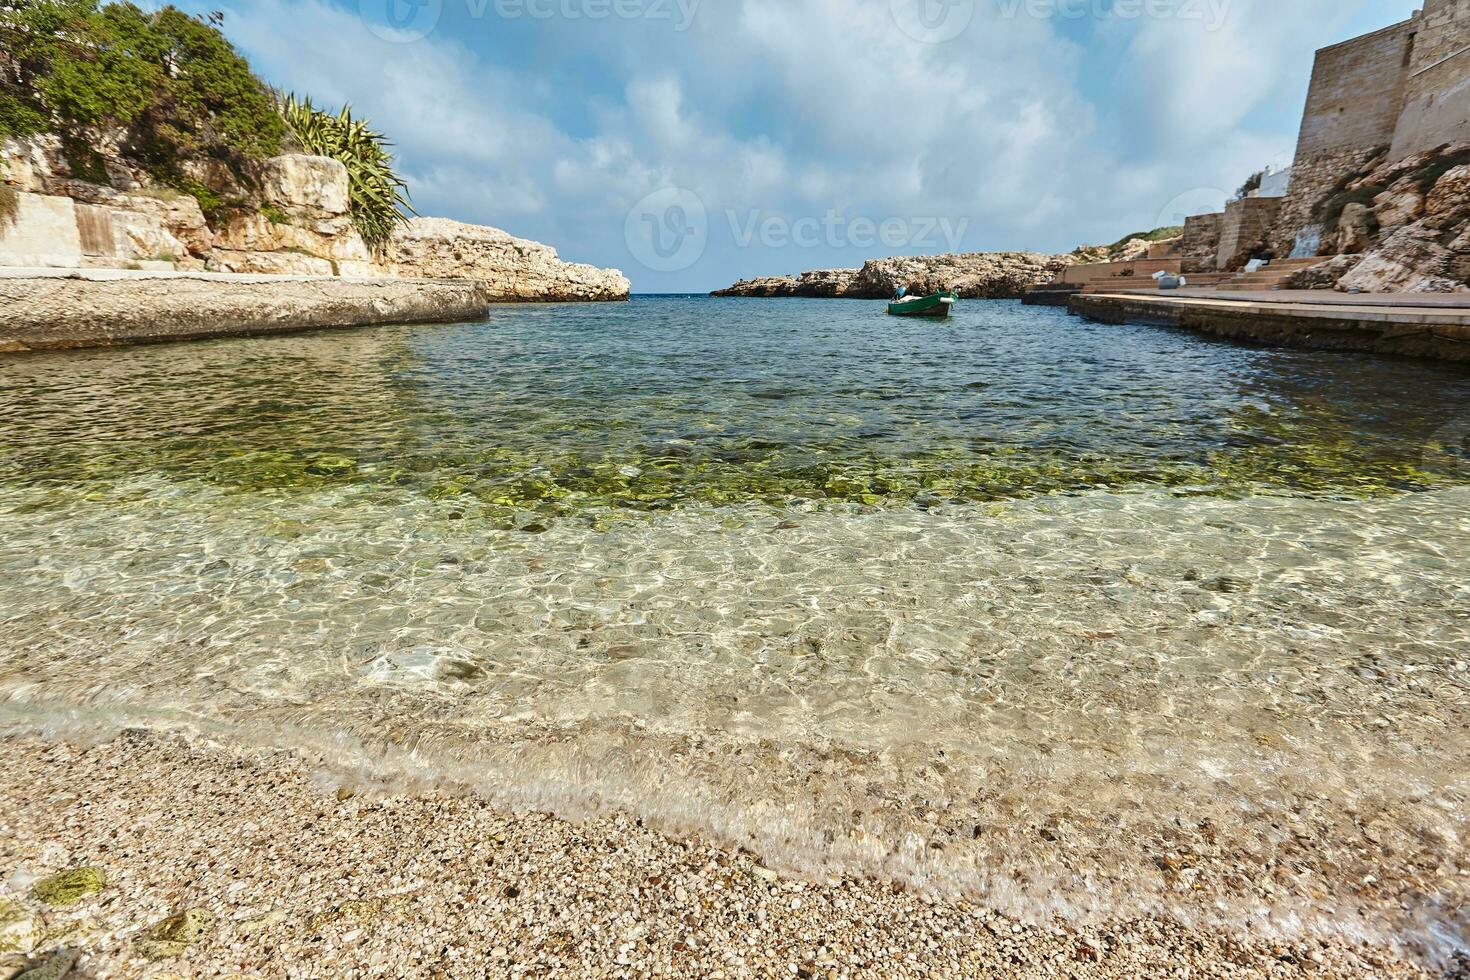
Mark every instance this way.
x=378 y=196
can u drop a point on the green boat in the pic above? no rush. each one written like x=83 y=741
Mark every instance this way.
x=939 y=305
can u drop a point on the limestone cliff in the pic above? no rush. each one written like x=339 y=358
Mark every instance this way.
x=514 y=269
x=974 y=275
x=290 y=217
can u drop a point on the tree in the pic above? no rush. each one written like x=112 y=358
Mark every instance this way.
x=171 y=81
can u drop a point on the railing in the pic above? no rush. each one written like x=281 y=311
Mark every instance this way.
x=1447 y=58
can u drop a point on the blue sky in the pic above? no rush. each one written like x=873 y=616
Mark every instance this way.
x=694 y=142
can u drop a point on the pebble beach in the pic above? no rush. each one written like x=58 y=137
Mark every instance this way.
x=779 y=643
x=153 y=856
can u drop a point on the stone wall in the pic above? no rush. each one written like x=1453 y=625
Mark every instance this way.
x=1357 y=93
x=1297 y=232
x=300 y=227
x=1200 y=246
x=1436 y=104
x=1244 y=229
x=43 y=233
x=1376 y=99
x=1352 y=111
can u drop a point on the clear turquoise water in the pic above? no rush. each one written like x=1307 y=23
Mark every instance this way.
x=666 y=402
x=1077 y=619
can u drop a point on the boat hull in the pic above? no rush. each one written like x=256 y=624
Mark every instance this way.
x=936 y=307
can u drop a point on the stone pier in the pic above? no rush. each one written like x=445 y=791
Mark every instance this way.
x=50 y=309
x=1433 y=326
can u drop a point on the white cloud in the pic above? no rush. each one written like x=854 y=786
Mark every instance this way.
x=798 y=107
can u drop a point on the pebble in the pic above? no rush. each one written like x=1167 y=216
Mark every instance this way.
x=449 y=887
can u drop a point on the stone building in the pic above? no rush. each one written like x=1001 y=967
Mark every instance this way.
x=1375 y=99
x=1436 y=103
x=1381 y=97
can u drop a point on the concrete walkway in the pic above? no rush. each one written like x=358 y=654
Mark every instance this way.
x=1408 y=307
x=1328 y=297
x=1418 y=325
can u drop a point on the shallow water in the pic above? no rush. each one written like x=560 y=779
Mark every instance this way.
x=1090 y=620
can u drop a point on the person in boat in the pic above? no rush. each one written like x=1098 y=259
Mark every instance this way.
x=902 y=292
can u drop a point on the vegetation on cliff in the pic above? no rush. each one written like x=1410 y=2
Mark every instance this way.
x=9 y=205
x=166 y=92
x=9 y=201
x=1121 y=249
x=169 y=81
x=378 y=195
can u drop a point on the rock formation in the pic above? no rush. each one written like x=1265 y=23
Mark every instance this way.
x=974 y=275
x=303 y=226
x=514 y=269
x=1400 y=227
x=51 y=310
x=294 y=219
x=819 y=284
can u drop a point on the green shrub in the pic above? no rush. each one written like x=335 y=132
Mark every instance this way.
x=17 y=118
x=274 y=214
x=83 y=160
x=1157 y=235
x=1252 y=184
x=9 y=206
x=171 y=80
x=211 y=203
x=378 y=196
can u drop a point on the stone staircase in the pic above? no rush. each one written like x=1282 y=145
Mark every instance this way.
x=1195 y=280
x=1207 y=280
x=1272 y=277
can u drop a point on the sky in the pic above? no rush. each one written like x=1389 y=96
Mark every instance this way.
x=691 y=143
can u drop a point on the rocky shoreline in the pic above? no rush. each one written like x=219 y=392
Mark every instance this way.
x=57 y=310
x=298 y=224
x=151 y=853
x=975 y=275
